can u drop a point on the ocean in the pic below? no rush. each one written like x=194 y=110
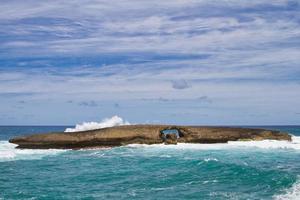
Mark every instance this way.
x=237 y=170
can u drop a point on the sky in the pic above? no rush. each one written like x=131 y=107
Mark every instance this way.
x=204 y=62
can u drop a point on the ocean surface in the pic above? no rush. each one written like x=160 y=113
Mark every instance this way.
x=237 y=170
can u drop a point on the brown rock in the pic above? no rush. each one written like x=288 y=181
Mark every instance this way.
x=171 y=139
x=143 y=134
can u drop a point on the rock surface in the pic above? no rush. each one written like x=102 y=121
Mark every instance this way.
x=143 y=134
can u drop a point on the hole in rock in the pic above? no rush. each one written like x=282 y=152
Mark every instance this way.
x=169 y=133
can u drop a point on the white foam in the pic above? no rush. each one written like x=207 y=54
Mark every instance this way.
x=210 y=159
x=264 y=144
x=8 y=152
x=107 y=122
x=292 y=193
x=271 y=144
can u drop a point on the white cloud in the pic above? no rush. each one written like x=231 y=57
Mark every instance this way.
x=139 y=26
x=248 y=51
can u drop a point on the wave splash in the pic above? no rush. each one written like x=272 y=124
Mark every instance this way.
x=264 y=144
x=292 y=193
x=107 y=122
x=8 y=152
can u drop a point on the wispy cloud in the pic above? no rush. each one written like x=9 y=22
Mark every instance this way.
x=236 y=57
x=88 y=103
x=15 y=94
x=180 y=84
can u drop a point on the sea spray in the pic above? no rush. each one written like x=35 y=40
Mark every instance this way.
x=264 y=144
x=107 y=122
x=8 y=152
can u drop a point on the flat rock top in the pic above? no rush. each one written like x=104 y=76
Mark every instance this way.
x=145 y=134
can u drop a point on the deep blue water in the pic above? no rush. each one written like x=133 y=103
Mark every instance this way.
x=241 y=170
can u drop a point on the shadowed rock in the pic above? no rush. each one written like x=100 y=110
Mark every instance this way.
x=144 y=134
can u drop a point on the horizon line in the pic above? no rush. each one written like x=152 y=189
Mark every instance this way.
x=161 y=124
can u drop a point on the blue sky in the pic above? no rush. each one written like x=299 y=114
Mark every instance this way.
x=212 y=62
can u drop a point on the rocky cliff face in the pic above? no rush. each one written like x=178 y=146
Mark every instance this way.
x=144 y=134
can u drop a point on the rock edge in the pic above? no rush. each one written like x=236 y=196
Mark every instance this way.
x=143 y=134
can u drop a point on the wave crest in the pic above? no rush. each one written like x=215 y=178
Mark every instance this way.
x=292 y=193
x=107 y=122
x=8 y=152
x=264 y=144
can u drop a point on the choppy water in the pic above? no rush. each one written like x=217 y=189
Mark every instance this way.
x=238 y=170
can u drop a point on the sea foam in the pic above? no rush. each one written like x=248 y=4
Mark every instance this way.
x=292 y=193
x=107 y=122
x=264 y=144
x=8 y=152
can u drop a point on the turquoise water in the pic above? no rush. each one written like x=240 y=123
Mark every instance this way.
x=238 y=170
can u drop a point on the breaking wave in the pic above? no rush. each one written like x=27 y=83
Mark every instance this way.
x=210 y=159
x=264 y=144
x=292 y=193
x=8 y=152
x=107 y=122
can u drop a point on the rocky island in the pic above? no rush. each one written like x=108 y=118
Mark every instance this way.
x=144 y=134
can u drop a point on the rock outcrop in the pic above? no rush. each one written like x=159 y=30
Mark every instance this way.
x=144 y=134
